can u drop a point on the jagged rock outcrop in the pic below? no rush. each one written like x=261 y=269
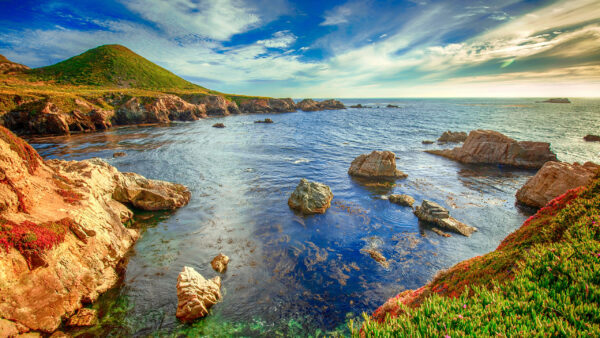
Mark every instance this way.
x=163 y=109
x=591 y=138
x=403 y=200
x=264 y=106
x=219 y=263
x=195 y=294
x=62 y=230
x=376 y=165
x=312 y=105
x=311 y=197
x=553 y=180
x=492 y=147
x=434 y=213
x=452 y=137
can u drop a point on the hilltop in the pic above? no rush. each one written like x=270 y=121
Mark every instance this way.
x=111 y=66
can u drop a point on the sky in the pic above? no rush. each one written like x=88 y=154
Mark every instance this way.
x=341 y=49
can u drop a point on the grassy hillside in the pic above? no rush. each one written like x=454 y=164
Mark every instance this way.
x=111 y=66
x=543 y=280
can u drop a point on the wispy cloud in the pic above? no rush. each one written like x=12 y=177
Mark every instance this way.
x=281 y=39
x=338 y=15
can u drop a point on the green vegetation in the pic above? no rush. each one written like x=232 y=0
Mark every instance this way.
x=544 y=279
x=111 y=66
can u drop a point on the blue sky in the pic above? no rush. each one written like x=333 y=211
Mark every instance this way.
x=412 y=48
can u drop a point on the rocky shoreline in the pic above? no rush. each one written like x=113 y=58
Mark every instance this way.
x=63 y=233
x=52 y=116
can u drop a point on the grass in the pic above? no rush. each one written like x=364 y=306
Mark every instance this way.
x=543 y=280
x=111 y=66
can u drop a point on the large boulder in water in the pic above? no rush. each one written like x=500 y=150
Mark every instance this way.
x=492 y=147
x=453 y=136
x=377 y=164
x=195 y=294
x=434 y=213
x=591 y=138
x=555 y=179
x=308 y=105
x=311 y=197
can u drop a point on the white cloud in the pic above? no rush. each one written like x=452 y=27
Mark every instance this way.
x=212 y=19
x=281 y=39
x=337 y=16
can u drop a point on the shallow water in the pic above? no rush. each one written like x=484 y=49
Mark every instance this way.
x=294 y=275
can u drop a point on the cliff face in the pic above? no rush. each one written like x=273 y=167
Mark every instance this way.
x=62 y=235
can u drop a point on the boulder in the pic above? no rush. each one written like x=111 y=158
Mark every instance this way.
x=358 y=106
x=218 y=125
x=311 y=197
x=492 y=147
x=403 y=200
x=427 y=142
x=119 y=154
x=453 y=137
x=264 y=121
x=219 y=263
x=331 y=105
x=195 y=294
x=434 y=213
x=591 y=138
x=555 y=179
x=84 y=317
x=377 y=165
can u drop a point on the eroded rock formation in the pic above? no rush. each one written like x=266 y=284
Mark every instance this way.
x=376 y=165
x=62 y=232
x=434 y=213
x=453 y=137
x=492 y=147
x=311 y=197
x=312 y=105
x=553 y=180
x=195 y=294
x=219 y=263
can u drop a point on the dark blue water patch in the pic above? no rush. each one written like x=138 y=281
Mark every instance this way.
x=291 y=274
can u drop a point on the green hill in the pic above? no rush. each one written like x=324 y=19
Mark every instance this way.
x=111 y=66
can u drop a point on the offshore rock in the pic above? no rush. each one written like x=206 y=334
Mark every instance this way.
x=591 y=138
x=264 y=106
x=378 y=257
x=195 y=294
x=311 y=197
x=403 y=200
x=312 y=105
x=453 y=137
x=557 y=100
x=434 y=213
x=555 y=179
x=219 y=263
x=264 y=121
x=218 y=125
x=377 y=165
x=75 y=201
x=492 y=147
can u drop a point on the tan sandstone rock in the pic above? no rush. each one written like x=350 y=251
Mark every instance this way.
x=219 y=263
x=553 y=180
x=311 y=197
x=453 y=137
x=84 y=317
x=195 y=294
x=403 y=200
x=432 y=212
x=377 y=164
x=492 y=147
x=39 y=288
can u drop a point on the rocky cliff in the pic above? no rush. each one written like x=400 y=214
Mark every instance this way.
x=62 y=232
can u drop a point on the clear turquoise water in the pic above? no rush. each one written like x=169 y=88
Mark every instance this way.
x=293 y=275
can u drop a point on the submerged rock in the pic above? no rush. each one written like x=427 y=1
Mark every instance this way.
x=392 y=106
x=453 y=137
x=492 y=147
x=195 y=294
x=218 y=125
x=403 y=200
x=427 y=142
x=555 y=179
x=311 y=197
x=219 y=263
x=119 y=154
x=377 y=164
x=378 y=257
x=84 y=317
x=591 y=138
x=440 y=232
x=434 y=213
